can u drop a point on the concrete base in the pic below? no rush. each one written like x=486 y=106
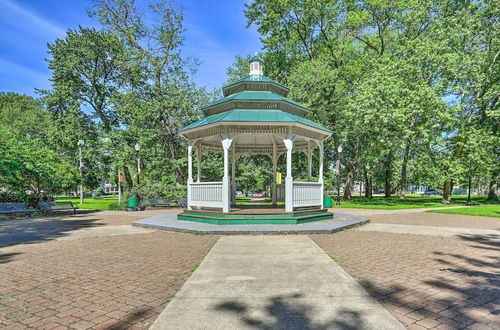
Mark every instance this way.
x=168 y=221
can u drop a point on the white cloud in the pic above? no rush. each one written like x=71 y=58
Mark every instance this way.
x=23 y=16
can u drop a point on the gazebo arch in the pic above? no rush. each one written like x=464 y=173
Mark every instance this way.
x=255 y=116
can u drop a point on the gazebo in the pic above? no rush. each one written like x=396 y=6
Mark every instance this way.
x=254 y=116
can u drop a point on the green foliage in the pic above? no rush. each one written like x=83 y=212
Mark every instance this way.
x=406 y=87
x=158 y=190
x=97 y=193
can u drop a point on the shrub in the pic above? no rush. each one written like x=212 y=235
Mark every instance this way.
x=157 y=190
x=97 y=193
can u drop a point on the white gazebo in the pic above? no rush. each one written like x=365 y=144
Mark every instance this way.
x=255 y=116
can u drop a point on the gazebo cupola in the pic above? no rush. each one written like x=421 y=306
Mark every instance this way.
x=256 y=66
x=255 y=116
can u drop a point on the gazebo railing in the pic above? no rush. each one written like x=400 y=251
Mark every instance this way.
x=206 y=194
x=307 y=194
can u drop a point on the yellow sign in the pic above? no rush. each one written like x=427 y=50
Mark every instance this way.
x=278 y=177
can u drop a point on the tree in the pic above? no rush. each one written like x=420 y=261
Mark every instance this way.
x=89 y=67
x=166 y=98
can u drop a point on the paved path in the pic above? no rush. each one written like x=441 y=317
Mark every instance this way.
x=377 y=211
x=272 y=282
x=430 y=230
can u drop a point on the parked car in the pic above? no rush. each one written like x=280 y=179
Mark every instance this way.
x=239 y=193
x=432 y=191
x=249 y=193
x=258 y=195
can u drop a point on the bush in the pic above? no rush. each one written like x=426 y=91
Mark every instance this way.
x=97 y=193
x=157 y=190
x=30 y=199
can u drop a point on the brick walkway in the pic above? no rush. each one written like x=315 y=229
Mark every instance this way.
x=425 y=281
x=107 y=282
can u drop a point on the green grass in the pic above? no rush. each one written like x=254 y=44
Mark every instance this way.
x=483 y=211
x=411 y=202
x=105 y=203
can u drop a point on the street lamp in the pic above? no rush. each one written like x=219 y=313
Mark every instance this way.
x=337 y=169
x=80 y=144
x=137 y=149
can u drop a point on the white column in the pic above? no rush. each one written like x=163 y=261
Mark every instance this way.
x=190 y=175
x=226 y=144
x=198 y=163
x=273 y=184
x=289 y=179
x=233 y=175
x=320 y=176
x=309 y=161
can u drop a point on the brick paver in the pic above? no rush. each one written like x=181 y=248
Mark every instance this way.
x=98 y=283
x=425 y=281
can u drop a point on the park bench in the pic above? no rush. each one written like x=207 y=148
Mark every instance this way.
x=162 y=202
x=182 y=202
x=15 y=208
x=156 y=202
x=149 y=202
x=49 y=207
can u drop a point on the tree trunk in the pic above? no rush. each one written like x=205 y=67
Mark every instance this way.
x=349 y=181
x=128 y=177
x=492 y=192
x=368 y=185
x=388 y=174
x=404 y=174
x=447 y=191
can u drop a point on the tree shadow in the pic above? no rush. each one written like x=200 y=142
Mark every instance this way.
x=131 y=319
x=8 y=257
x=289 y=312
x=35 y=230
x=466 y=290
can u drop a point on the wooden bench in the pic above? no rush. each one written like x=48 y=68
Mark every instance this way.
x=49 y=207
x=15 y=208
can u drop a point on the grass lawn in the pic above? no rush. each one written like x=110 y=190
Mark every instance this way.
x=484 y=211
x=105 y=203
x=411 y=202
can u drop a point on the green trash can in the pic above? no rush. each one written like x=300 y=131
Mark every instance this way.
x=327 y=202
x=132 y=201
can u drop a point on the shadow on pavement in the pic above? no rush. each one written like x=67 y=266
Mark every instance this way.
x=468 y=289
x=290 y=316
x=8 y=257
x=35 y=230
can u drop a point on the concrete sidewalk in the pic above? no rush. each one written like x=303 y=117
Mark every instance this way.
x=431 y=230
x=272 y=282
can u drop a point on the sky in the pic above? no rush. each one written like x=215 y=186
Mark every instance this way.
x=216 y=33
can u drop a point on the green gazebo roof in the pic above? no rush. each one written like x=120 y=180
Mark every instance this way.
x=258 y=99
x=254 y=115
x=255 y=96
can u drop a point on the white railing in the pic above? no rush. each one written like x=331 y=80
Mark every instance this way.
x=280 y=192
x=307 y=194
x=205 y=194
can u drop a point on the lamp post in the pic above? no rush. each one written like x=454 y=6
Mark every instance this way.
x=137 y=149
x=80 y=168
x=337 y=169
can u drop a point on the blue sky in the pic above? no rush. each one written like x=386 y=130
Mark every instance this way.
x=216 y=33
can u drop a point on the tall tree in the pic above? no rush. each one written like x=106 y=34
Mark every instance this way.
x=167 y=97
